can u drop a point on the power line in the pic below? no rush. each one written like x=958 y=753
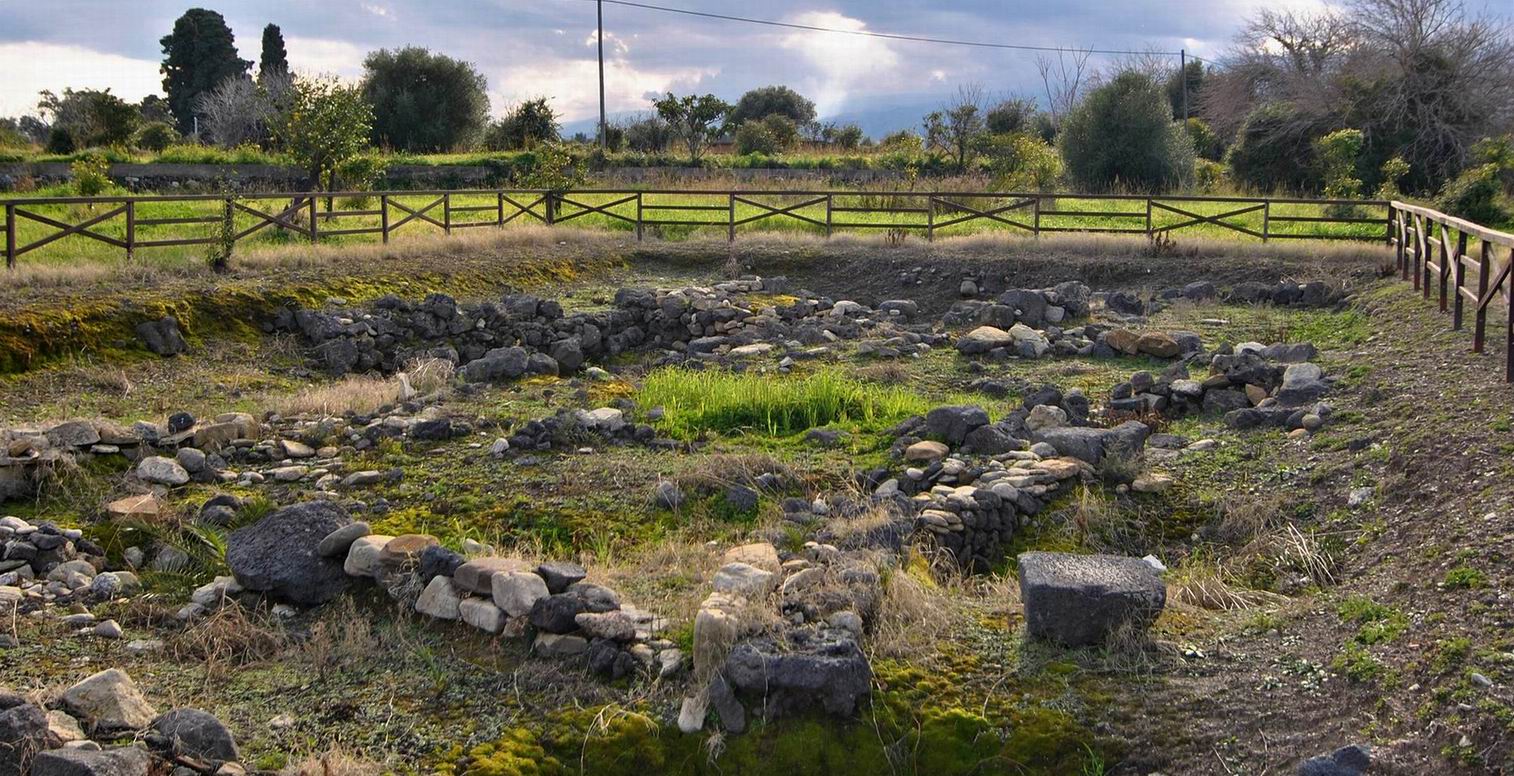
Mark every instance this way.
x=885 y=35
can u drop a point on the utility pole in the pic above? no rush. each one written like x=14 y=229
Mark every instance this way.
x=603 y=126
x=1182 y=76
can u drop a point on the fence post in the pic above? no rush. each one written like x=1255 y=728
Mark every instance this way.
x=10 y=236
x=930 y=218
x=1461 y=278
x=1446 y=270
x=315 y=229
x=830 y=203
x=1480 y=327
x=730 y=234
x=1035 y=217
x=384 y=216
x=1424 y=269
x=499 y=209
x=447 y=212
x=1148 y=218
x=1398 y=220
x=131 y=229
x=551 y=206
x=638 y=216
x=1266 y=220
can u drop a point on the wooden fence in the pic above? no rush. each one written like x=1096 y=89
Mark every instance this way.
x=123 y=222
x=1469 y=263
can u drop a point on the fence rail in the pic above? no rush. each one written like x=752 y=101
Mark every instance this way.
x=1469 y=263
x=122 y=221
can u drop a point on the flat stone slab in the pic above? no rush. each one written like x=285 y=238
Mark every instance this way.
x=1079 y=600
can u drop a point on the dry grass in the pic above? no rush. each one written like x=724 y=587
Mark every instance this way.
x=365 y=394
x=342 y=636
x=227 y=638
x=1204 y=585
x=336 y=762
x=917 y=610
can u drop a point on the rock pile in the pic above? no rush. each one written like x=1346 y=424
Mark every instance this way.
x=523 y=334
x=87 y=721
x=44 y=566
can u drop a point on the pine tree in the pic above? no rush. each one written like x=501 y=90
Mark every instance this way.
x=275 y=59
x=198 y=55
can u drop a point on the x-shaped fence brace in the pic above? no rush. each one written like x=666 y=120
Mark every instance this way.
x=771 y=211
x=1217 y=220
x=527 y=209
x=282 y=218
x=419 y=213
x=82 y=229
x=992 y=214
x=586 y=208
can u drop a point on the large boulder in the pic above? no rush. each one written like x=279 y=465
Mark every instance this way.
x=278 y=554
x=1080 y=600
x=23 y=733
x=162 y=336
x=127 y=761
x=982 y=340
x=110 y=703
x=951 y=424
x=802 y=669
x=194 y=733
x=1302 y=383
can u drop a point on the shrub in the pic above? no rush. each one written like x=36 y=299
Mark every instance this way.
x=1497 y=151
x=772 y=135
x=1393 y=170
x=1337 y=153
x=1023 y=162
x=1473 y=195
x=1206 y=143
x=524 y=126
x=1209 y=175
x=91 y=174
x=60 y=141
x=1122 y=134
x=156 y=136
x=649 y=135
x=1274 y=150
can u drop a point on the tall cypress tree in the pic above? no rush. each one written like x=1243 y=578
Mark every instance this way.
x=198 y=55
x=274 y=59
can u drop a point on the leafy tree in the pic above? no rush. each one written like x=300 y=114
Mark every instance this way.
x=957 y=129
x=198 y=55
x=649 y=135
x=1337 y=153
x=60 y=141
x=695 y=119
x=765 y=101
x=154 y=108
x=771 y=135
x=1122 y=134
x=274 y=59
x=1393 y=170
x=1193 y=72
x=326 y=126
x=847 y=137
x=1473 y=195
x=92 y=117
x=424 y=102
x=524 y=127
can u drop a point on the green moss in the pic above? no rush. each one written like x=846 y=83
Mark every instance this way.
x=1463 y=578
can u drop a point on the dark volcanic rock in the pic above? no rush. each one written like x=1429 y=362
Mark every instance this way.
x=810 y=668
x=278 y=554
x=195 y=733
x=1079 y=600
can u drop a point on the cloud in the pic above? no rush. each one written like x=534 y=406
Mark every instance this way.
x=325 y=56
x=842 y=64
x=573 y=85
x=30 y=67
x=381 y=11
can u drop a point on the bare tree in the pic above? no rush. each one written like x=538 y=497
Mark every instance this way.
x=1064 y=79
x=240 y=109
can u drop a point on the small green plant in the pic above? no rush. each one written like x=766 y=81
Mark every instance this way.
x=91 y=174
x=1463 y=578
x=1450 y=653
x=1379 y=623
x=1393 y=170
x=225 y=236
x=1358 y=664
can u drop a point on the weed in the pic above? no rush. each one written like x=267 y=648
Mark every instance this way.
x=1379 y=623
x=1463 y=578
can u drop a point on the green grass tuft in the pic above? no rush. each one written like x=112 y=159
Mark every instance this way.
x=698 y=402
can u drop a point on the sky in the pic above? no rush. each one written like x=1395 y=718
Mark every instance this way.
x=530 y=48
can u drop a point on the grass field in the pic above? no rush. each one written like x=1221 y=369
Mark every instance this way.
x=664 y=216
